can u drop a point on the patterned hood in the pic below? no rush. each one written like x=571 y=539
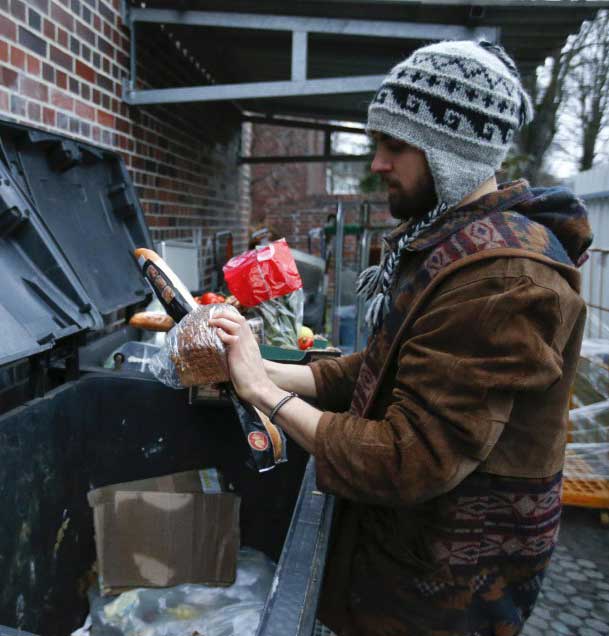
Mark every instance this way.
x=564 y=215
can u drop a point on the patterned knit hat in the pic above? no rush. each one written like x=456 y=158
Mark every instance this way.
x=460 y=103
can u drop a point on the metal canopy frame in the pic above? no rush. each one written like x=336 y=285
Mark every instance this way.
x=300 y=27
x=327 y=129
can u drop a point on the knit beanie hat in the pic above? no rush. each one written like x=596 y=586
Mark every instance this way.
x=459 y=102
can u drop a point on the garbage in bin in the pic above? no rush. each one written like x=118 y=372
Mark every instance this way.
x=187 y=609
x=132 y=356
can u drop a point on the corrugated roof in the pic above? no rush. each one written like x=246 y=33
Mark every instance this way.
x=529 y=30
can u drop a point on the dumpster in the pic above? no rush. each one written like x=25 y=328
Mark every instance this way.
x=69 y=221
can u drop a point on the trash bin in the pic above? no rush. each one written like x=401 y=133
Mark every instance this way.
x=69 y=220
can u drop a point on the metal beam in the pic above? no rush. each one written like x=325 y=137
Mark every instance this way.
x=253 y=90
x=267 y=22
x=295 y=123
x=273 y=107
x=299 y=56
x=132 y=58
x=305 y=158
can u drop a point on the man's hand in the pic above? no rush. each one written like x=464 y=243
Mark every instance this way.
x=253 y=385
x=247 y=371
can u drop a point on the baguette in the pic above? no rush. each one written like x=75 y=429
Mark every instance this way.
x=169 y=289
x=273 y=433
x=152 y=321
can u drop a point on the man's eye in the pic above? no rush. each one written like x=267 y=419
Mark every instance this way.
x=395 y=146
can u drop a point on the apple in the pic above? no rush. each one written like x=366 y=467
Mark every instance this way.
x=306 y=332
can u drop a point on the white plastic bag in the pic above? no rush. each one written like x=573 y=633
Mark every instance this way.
x=190 y=610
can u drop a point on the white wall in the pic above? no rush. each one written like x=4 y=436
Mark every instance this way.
x=593 y=186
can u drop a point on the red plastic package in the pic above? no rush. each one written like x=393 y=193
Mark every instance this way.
x=267 y=272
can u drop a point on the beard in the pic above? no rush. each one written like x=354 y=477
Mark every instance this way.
x=414 y=203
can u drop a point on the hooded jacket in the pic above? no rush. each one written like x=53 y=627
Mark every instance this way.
x=448 y=462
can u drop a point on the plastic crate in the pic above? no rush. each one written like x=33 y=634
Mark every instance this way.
x=586 y=476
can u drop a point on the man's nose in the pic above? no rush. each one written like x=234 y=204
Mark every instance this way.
x=380 y=163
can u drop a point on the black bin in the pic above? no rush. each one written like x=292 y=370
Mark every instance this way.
x=59 y=258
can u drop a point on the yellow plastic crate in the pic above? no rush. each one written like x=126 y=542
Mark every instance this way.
x=583 y=485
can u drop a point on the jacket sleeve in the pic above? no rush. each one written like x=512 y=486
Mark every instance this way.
x=335 y=380
x=467 y=354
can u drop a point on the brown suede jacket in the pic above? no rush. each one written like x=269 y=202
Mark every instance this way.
x=453 y=451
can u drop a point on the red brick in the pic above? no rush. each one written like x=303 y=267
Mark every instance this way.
x=48 y=116
x=85 y=33
x=105 y=83
x=8 y=77
x=7 y=28
x=84 y=110
x=34 y=89
x=49 y=30
x=62 y=100
x=61 y=79
x=18 y=9
x=62 y=37
x=17 y=57
x=3 y=101
x=48 y=73
x=105 y=119
x=33 y=65
x=3 y=51
x=105 y=47
x=85 y=71
x=122 y=125
x=61 y=58
x=62 y=17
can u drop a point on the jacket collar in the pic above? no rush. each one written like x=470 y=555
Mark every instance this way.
x=506 y=197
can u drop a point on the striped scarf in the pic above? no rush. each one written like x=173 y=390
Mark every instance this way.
x=375 y=282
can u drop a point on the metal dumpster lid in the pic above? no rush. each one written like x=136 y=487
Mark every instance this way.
x=69 y=221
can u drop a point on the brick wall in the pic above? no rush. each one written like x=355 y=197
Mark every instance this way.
x=292 y=198
x=275 y=187
x=61 y=68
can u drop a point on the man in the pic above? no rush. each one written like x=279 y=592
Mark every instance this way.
x=444 y=440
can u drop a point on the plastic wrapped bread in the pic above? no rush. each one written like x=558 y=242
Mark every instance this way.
x=193 y=353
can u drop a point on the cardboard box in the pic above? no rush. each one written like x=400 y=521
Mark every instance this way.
x=165 y=531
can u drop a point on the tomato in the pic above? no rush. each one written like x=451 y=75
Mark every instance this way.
x=209 y=298
x=305 y=342
x=220 y=298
